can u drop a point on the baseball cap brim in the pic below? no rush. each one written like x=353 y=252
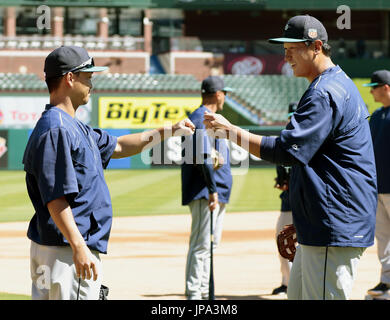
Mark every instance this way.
x=282 y=40
x=371 y=84
x=93 y=69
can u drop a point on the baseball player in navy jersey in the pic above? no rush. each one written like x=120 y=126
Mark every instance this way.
x=329 y=146
x=380 y=130
x=206 y=186
x=64 y=161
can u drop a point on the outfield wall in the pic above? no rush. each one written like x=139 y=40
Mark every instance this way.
x=164 y=155
x=118 y=113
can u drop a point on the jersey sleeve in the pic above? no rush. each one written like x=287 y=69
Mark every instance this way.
x=106 y=145
x=53 y=166
x=309 y=127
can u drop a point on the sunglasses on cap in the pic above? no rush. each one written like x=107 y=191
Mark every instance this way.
x=85 y=65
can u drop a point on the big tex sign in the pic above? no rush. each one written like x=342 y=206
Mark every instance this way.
x=144 y=112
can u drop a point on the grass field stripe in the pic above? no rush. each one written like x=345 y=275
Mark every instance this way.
x=151 y=192
x=131 y=183
x=151 y=199
x=237 y=189
x=12 y=188
x=118 y=174
x=12 y=176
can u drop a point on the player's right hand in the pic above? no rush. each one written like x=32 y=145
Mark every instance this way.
x=85 y=263
x=213 y=201
x=217 y=123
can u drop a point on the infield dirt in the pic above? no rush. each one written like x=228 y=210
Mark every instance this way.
x=146 y=258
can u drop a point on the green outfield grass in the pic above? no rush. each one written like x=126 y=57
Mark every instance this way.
x=12 y=296
x=148 y=192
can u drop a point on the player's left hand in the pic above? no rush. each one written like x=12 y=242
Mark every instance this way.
x=183 y=128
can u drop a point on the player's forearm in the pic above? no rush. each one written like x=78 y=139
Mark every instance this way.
x=62 y=216
x=246 y=140
x=131 y=144
x=208 y=175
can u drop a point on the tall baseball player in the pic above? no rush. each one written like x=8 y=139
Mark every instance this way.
x=380 y=131
x=329 y=146
x=64 y=161
x=206 y=185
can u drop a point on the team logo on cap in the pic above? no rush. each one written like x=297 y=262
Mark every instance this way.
x=286 y=26
x=312 y=33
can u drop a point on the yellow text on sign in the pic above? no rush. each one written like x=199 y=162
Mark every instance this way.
x=144 y=112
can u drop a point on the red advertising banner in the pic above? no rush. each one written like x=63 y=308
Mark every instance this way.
x=246 y=64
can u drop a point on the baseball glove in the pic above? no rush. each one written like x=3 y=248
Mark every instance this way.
x=286 y=241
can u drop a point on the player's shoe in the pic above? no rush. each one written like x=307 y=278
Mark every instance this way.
x=279 y=290
x=380 y=289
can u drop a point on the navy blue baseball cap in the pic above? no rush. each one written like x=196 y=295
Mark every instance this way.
x=302 y=29
x=213 y=84
x=379 y=78
x=69 y=59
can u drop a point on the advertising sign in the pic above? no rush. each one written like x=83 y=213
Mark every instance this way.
x=144 y=112
x=244 y=64
x=24 y=112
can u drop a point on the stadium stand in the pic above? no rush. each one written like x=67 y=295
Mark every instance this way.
x=267 y=94
x=21 y=82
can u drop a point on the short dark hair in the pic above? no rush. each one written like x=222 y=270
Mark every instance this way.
x=53 y=83
x=207 y=95
x=326 y=48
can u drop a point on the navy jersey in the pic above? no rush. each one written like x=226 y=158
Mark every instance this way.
x=65 y=157
x=198 y=145
x=333 y=194
x=380 y=131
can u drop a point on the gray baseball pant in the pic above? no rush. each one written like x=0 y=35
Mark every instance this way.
x=53 y=275
x=382 y=235
x=285 y=218
x=323 y=273
x=198 y=257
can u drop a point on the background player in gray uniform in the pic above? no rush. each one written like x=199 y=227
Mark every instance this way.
x=206 y=186
x=285 y=218
x=380 y=130
x=328 y=144
x=282 y=182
